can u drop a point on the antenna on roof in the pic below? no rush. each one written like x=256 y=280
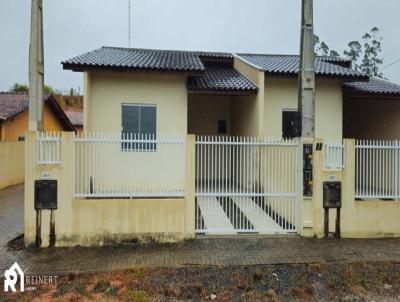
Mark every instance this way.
x=129 y=23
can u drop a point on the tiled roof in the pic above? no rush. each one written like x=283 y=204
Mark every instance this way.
x=373 y=86
x=194 y=61
x=289 y=64
x=13 y=103
x=221 y=79
x=205 y=54
x=138 y=59
x=75 y=116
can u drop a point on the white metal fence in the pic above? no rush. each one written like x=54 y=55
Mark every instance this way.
x=246 y=184
x=48 y=148
x=129 y=166
x=334 y=154
x=377 y=169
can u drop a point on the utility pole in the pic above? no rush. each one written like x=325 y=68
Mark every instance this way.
x=307 y=71
x=36 y=67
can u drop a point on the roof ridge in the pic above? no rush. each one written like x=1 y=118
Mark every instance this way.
x=287 y=55
x=167 y=50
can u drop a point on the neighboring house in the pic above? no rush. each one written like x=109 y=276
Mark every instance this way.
x=14 y=116
x=207 y=93
x=76 y=118
x=371 y=110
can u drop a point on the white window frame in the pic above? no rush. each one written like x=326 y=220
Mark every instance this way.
x=154 y=149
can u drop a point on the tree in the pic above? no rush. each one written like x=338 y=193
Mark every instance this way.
x=48 y=89
x=372 y=48
x=25 y=88
x=322 y=49
x=365 y=56
x=19 y=88
x=353 y=53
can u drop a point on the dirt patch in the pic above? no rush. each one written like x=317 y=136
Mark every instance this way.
x=319 y=282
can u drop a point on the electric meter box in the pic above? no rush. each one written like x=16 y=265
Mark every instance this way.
x=332 y=194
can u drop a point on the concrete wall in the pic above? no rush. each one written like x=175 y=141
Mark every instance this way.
x=102 y=221
x=281 y=93
x=371 y=118
x=12 y=163
x=359 y=219
x=105 y=92
x=17 y=126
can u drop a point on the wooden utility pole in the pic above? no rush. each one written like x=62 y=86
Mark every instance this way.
x=36 y=68
x=307 y=71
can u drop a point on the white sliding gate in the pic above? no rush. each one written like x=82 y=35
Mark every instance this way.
x=246 y=185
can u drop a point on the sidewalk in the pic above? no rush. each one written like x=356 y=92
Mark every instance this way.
x=204 y=251
x=233 y=251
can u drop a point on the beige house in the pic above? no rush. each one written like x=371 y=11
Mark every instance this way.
x=178 y=143
x=244 y=94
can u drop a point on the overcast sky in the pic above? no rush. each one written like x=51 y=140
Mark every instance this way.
x=262 y=26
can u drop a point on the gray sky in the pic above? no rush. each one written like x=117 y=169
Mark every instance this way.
x=262 y=26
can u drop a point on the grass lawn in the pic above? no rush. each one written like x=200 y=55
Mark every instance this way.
x=378 y=281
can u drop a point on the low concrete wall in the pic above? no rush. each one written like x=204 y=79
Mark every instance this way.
x=101 y=221
x=359 y=219
x=12 y=163
x=98 y=222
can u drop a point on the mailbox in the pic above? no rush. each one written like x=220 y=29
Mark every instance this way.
x=45 y=194
x=332 y=195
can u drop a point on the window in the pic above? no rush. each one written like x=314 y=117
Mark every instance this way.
x=138 y=120
x=291 y=124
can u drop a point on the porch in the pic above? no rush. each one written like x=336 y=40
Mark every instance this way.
x=222 y=102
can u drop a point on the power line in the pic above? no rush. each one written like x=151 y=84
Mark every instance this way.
x=397 y=61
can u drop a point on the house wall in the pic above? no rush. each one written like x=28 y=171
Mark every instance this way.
x=105 y=92
x=12 y=161
x=104 y=221
x=282 y=93
x=371 y=118
x=204 y=112
x=18 y=125
x=248 y=111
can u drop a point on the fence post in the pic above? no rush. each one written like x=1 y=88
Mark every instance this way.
x=190 y=184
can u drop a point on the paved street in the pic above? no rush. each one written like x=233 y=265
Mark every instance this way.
x=234 y=251
x=11 y=213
